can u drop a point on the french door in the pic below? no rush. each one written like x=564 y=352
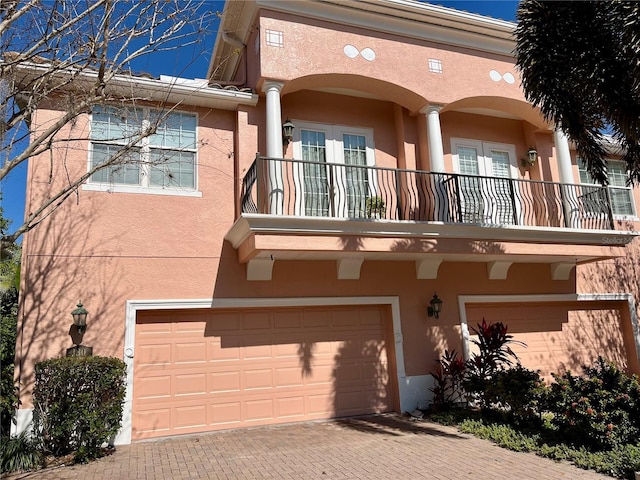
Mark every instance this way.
x=334 y=178
x=486 y=193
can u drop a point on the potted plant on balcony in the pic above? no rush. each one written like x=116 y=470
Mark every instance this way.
x=375 y=207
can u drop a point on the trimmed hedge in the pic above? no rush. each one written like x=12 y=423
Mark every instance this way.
x=78 y=404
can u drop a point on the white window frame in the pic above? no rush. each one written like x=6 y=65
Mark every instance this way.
x=335 y=155
x=623 y=216
x=145 y=168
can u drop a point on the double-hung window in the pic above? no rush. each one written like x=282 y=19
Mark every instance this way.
x=619 y=192
x=162 y=162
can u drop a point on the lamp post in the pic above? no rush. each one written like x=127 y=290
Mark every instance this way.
x=77 y=330
x=80 y=317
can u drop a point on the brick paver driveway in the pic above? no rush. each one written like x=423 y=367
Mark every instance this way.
x=370 y=448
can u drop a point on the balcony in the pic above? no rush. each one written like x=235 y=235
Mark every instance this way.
x=292 y=209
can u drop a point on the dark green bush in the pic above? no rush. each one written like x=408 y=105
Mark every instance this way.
x=600 y=409
x=8 y=390
x=78 y=404
x=20 y=453
x=519 y=390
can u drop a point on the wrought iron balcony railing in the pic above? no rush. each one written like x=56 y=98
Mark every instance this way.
x=318 y=189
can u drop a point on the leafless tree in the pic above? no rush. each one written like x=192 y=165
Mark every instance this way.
x=79 y=55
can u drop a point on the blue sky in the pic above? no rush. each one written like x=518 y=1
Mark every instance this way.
x=181 y=64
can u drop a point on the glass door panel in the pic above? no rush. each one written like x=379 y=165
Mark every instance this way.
x=357 y=185
x=500 y=167
x=471 y=202
x=315 y=183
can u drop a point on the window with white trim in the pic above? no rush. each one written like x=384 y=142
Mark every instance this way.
x=165 y=159
x=620 y=193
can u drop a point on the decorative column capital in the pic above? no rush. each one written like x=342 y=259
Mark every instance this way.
x=271 y=85
x=431 y=108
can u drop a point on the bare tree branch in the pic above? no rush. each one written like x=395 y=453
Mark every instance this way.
x=74 y=56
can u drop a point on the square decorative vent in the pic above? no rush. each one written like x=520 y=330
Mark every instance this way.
x=274 y=38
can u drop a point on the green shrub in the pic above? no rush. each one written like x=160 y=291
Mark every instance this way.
x=620 y=462
x=78 y=404
x=8 y=389
x=504 y=435
x=20 y=453
x=600 y=409
x=519 y=390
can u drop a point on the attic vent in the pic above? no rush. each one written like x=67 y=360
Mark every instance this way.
x=435 y=65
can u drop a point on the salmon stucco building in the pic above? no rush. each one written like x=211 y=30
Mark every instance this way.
x=343 y=162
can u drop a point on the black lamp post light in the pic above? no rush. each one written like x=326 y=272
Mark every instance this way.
x=76 y=332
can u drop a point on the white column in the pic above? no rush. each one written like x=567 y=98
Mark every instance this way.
x=274 y=146
x=569 y=194
x=434 y=137
x=564 y=157
x=436 y=161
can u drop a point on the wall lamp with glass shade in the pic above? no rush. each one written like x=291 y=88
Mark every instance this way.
x=532 y=157
x=80 y=317
x=287 y=132
x=435 y=306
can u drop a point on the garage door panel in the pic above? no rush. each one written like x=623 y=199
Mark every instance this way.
x=288 y=377
x=321 y=404
x=319 y=375
x=259 y=378
x=225 y=413
x=190 y=352
x=190 y=384
x=189 y=417
x=290 y=407
x=154 y=420
x=288 y=320
x=154 y=387
x=224 y=381
x=186 y=328
x=257 y=410
x=288 y=349
x=153 y=354
x=216 y=353
x=256 y=352
x=257 y=368
x=314 y=319
x=256 y=320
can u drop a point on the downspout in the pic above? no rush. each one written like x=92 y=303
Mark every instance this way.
x=232 y=40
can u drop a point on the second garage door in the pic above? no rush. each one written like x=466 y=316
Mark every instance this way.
x=559 y=337
x=201 y=370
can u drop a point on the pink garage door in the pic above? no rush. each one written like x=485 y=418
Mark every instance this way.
x=202 y=370
x=559 y=337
